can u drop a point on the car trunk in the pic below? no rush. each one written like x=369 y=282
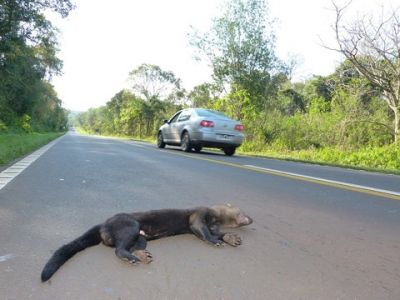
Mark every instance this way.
x=224 y=126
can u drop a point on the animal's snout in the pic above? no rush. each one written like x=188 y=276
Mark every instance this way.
x=249 y=220
x=245 y=220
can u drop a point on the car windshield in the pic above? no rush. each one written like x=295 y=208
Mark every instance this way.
x=210 y=113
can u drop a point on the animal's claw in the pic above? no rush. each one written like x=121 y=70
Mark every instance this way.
x=218 y=243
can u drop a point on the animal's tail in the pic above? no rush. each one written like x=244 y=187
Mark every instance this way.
x=89 y=238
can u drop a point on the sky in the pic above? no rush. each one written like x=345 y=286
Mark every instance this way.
x=101 y=41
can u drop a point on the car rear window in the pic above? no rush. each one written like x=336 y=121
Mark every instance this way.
x=210 y=113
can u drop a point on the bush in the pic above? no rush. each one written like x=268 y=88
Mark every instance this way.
x=3 y=126
x=25 y=123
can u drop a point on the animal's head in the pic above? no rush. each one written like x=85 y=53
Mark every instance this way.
x=231 y=216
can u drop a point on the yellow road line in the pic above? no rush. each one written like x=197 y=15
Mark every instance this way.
x=321 y=181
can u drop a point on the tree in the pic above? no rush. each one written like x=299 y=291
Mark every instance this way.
x=346 y=75
x=372 y=45
x=319 y=87
x=240 y=47
x=24 y=25
x=28 y=59
x=235 y=104
x=204 y=95
x=153 y=83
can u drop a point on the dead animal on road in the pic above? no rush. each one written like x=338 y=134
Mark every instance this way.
x=129 y=233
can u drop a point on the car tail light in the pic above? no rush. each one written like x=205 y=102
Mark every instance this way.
x=239 y=127
x=206 y=123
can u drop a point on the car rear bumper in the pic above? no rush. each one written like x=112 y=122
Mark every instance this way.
x=217 y=140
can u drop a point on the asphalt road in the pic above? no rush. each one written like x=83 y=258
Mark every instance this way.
x=309 y=239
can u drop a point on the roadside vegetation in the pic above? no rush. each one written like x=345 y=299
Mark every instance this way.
x=350 y=117
x=31 y=114
x=15 y=145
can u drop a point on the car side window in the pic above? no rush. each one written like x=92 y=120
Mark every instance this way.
x=184 y=116
x=175 y=118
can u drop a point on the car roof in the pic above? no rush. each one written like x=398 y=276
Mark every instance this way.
x=206 y=111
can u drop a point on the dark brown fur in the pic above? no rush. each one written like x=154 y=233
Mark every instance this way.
x=129 y=233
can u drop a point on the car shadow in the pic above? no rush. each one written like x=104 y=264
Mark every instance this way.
x=206 y=152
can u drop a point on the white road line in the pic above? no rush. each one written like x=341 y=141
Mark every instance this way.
x=356 y=186
x=6 y=257
x=9 y=174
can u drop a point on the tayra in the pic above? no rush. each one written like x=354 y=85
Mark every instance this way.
x=129 y=232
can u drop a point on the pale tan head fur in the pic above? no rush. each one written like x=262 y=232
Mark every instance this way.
x=231 y=216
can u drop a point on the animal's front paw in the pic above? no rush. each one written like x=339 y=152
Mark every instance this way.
x=144 y=256
x=232 y=239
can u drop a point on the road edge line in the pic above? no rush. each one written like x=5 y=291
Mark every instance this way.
x=334 y=183
x=9 y=174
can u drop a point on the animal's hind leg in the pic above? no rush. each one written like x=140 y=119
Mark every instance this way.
x=125 y=238
x=140 y=243
x=126 y=255
x=139 y=250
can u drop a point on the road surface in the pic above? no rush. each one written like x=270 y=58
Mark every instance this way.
x=311 y=238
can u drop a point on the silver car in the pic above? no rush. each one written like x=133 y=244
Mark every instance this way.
x=196 y=128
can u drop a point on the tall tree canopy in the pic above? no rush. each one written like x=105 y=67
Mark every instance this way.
x=153 y=83
x=28 y=47
x=240 y=46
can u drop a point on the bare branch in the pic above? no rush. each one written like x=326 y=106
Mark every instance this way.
x=372 y=45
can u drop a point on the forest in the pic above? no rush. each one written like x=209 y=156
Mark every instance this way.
x=350 y=117
x=31 y=114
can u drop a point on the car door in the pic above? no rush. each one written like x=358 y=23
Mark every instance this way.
x=180 y=124
x=169 y=130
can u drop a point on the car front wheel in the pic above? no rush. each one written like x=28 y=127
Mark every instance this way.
x=229 y=151
x=160 y=140
x=185 y=142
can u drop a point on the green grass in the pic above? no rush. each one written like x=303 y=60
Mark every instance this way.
x=15 y=145
x=384 y=159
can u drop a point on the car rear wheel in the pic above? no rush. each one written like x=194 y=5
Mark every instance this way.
x=186 y=145
x=160 y=140
x=229 y=151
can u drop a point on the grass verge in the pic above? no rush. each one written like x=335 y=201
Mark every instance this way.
x=384 y=159
x=15 y=145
